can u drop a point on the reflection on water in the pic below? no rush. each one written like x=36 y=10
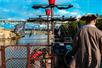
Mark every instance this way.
x=33 y=39
x=7 y=42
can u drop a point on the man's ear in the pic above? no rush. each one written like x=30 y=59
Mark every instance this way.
x=95 y=20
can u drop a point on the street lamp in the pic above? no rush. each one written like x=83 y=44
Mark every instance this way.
x=52 y=5
x=48 y=12
x=51 y=2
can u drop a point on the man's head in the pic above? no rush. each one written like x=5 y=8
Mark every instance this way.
x=90 y=18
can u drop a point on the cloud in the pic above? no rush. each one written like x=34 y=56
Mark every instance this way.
x=6 y=10
x=9 y=18
x=64 y=1
x=63 y=12
x=69 y=13
x=73 y=13
x=90 y=13
x=79 y=16
x=16 y=18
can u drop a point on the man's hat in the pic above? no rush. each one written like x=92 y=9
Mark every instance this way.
x=88 y=17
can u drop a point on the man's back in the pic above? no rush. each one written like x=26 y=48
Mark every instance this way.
x=88 y=43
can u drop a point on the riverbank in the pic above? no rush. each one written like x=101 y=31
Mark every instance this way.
x=6 y=34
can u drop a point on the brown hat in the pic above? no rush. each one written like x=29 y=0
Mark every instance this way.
x=88 y=17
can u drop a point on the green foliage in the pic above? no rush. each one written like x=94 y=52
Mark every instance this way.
x=74 y=24
x=64 y=25
x=73 y=28
x=82 y=22
x=99 y=24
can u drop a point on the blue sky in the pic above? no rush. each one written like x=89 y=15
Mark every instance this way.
x=22 y=9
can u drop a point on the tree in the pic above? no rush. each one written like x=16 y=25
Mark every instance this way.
x=99 y=23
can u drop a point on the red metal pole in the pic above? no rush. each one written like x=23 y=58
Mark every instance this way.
x=52 y=22
x=3 y=65
x=48 y=11
x=28 y=57
x=48 y=30
x=52 y=27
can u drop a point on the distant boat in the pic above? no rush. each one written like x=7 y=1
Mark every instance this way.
x=20 y=29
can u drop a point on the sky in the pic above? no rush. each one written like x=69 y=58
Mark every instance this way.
x=22 y=9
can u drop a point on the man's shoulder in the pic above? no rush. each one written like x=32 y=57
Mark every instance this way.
x=98 y=30
x=91 y=30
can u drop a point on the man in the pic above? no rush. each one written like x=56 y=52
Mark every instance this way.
x=87 y=45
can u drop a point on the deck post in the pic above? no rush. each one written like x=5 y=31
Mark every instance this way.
x=3 y=65
x=28 y=57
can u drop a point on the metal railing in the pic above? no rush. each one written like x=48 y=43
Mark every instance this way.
x=19 y=56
